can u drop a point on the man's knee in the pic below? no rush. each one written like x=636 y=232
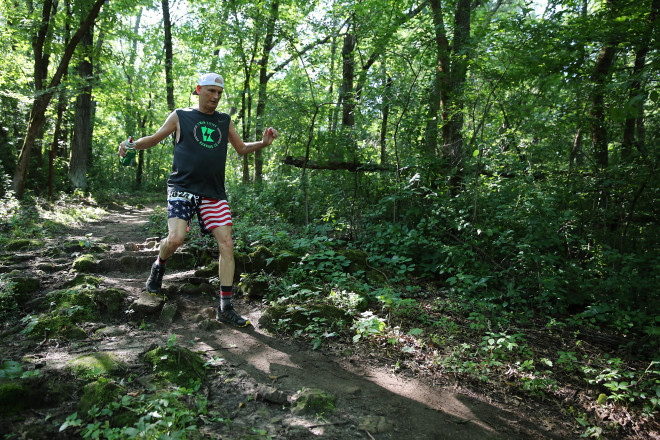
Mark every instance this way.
x=175 y=239
x=226 y=246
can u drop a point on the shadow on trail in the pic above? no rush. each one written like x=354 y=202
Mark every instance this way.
x=411 y=409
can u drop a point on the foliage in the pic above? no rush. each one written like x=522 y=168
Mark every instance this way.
x=174 y=413
x=9 y=299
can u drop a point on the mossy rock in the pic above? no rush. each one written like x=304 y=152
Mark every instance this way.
x=208 y=271
x=284 y=261
x=260 y=259
x=73 y=333
x=17 y=395
x=357 y=258
x=95 y=365
x=84 y=246
x=175 y=364
x=68 y=308
x=313 y=401
x=77 y=303
x=181 y=260
x=85 y=263
x=195 y=289
x=82 y=279
x=20 y=244
x=24 y=286
x=264 y=259
x=375 y=277
x=99 y=393
x=110 y=239
x=253 y=287
x=110 y=300
x=242 y=262
x=300 y=315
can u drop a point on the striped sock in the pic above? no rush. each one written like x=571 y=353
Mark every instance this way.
x=161 y=261
x=225 y=297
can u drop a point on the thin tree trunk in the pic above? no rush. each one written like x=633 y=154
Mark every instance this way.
x=386 y=112
x=55 y=146
x=169 y=56
x=263 y=82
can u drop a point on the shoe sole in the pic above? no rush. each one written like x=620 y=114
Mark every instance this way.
x=247 y=323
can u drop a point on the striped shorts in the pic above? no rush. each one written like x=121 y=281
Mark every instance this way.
x=210 y=213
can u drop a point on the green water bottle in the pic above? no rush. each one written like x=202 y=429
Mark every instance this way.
x=130 y=152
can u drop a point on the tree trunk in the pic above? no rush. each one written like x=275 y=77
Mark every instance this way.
x=598 y=126
x=263 y=82
x=386 y=112
x=169 y=56
x=43 y=97
x=453 y=99
x=55 y=146
x=447 y=97
x=348 y=76
x=82 y=122
x=633 y=130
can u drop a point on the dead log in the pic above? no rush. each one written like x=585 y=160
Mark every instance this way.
x=353 y=167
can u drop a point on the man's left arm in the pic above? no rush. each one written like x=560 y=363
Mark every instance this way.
x=243 y=148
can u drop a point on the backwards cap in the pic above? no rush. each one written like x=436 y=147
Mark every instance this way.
x=210 y=79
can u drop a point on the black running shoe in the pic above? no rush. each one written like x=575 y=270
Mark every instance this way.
x=156 y=278
x=229 y=316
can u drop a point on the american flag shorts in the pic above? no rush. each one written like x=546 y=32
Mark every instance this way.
x=210 y=213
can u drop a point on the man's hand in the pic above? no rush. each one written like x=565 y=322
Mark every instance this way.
x=269 y=136
x=122 y=150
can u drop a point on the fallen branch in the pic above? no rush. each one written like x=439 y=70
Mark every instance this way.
x=353 y=167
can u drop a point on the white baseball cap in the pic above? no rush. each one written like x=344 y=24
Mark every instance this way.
x=210 y=79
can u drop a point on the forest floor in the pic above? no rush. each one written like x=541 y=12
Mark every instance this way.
x=254 y=375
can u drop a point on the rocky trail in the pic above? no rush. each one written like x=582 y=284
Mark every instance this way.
x=253 y=378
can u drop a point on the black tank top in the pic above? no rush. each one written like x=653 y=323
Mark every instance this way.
x=200 y=156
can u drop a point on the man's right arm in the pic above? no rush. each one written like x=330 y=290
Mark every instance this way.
x=170 y=126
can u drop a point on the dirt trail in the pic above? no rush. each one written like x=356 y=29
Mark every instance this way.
x=371 y=402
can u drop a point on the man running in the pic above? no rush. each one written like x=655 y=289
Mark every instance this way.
x=196 y=185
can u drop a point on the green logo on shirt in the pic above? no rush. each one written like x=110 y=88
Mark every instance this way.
x=207 y=134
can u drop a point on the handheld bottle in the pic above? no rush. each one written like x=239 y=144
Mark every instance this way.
x=130 y=152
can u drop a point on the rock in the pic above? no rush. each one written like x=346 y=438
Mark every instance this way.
x=271 y=395
x=81 y=279
x=300 y=316
x=209 y=325
x=85 y=263
x=253 y=288
x=147 y=304
x=131 y=247
x=95 y=365
x=112 y=300
x=358 y=259
x=175 y=364
x=24 y=286
x=99 y=393
x=313 y=401
x=46 y=266
x=168 y=312
x=206 y=313
x=111 y=331
x=208 y=271
x=375 y=424
x=22 y=243
x=73 y=333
